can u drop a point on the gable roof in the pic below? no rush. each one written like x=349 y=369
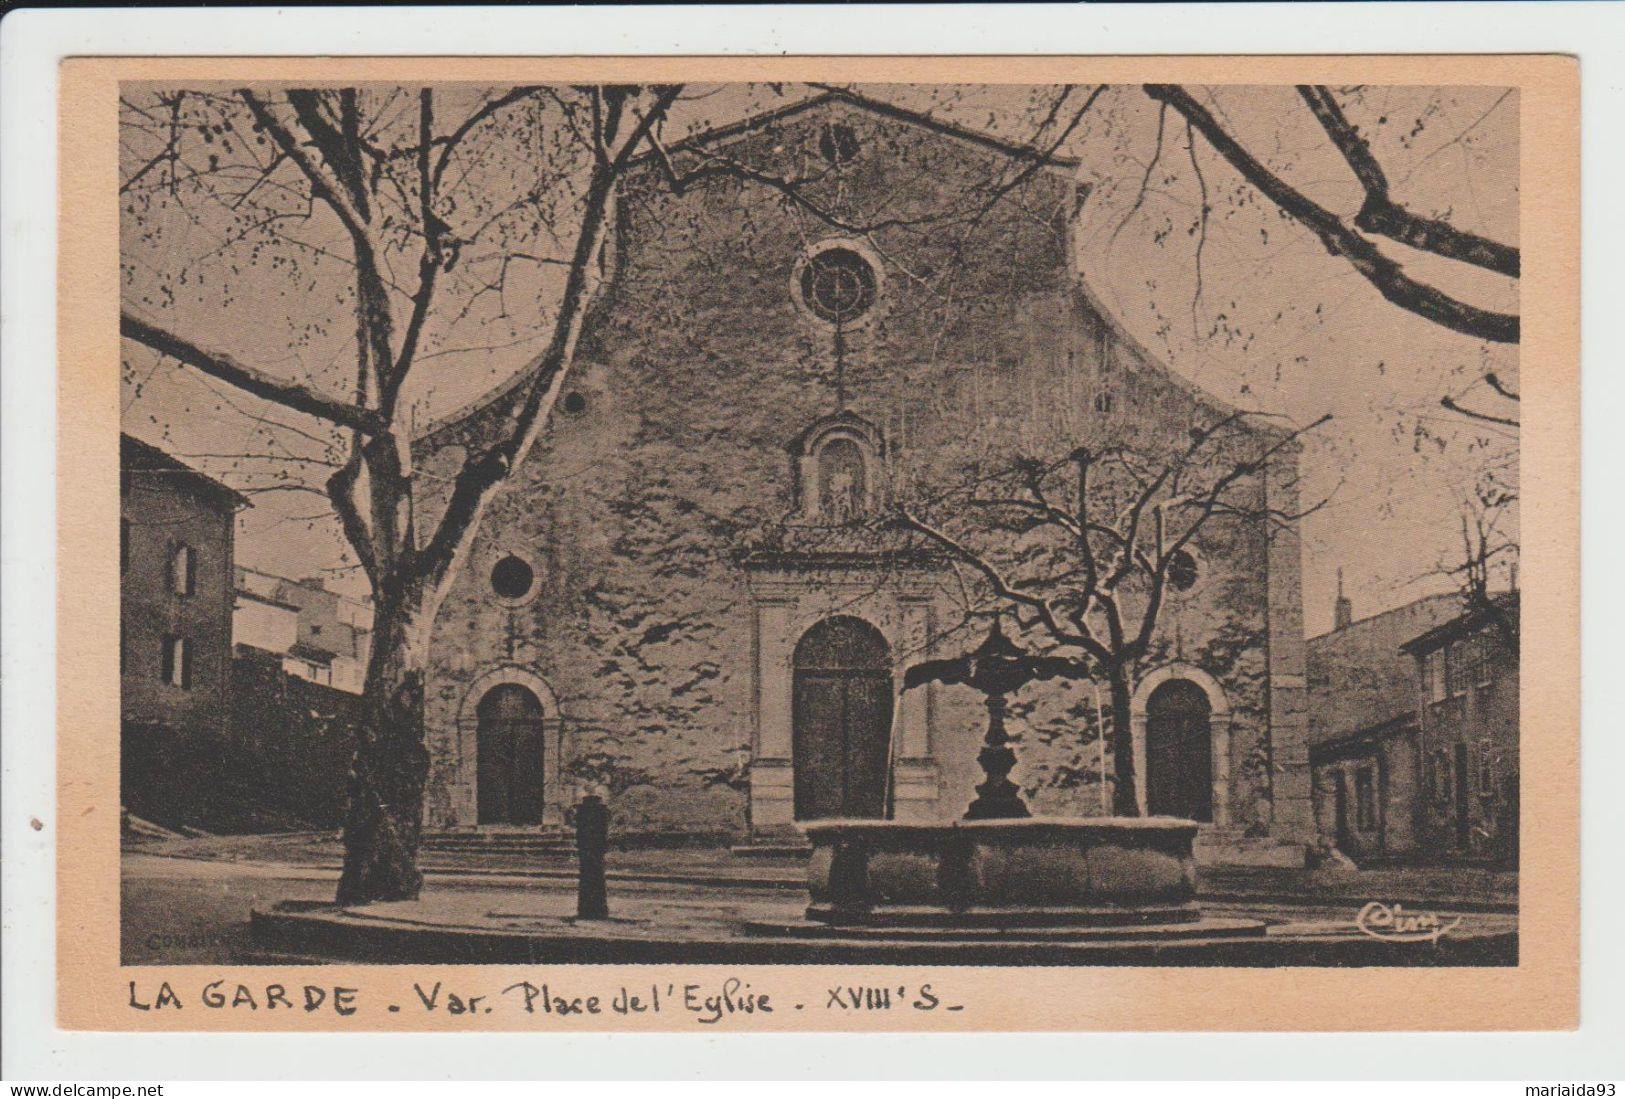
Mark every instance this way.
x=1502 y=604
x=1256 y=422
x=1358 y=676
x=136 y=456
x=880 y=107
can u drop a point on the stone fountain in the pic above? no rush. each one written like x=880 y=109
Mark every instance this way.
x=1000 y=869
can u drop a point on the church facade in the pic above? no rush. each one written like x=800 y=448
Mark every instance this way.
x=690 y=599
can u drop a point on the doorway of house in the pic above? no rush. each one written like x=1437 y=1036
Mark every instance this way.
x=1464 y=821
x=841 y=720
x=1341 y=798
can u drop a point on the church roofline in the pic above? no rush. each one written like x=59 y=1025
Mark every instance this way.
x=1256 y=420
x=875 y=106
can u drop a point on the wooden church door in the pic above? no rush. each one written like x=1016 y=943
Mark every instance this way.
x=1179 y=752
x=508 y=756
x=841 y=720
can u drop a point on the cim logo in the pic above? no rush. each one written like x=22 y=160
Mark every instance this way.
x=1394 y=924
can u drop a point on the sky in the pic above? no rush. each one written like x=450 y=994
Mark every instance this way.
x=1242 y=302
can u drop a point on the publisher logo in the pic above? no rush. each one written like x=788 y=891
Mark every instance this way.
x=1392 y=923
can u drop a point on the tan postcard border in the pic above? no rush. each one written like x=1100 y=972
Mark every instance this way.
x=1541 y=992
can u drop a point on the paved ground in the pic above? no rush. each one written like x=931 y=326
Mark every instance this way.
x=1470 y=887
x=189 y=901
x=193 y=911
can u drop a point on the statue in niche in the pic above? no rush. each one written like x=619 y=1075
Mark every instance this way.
x=842 y=482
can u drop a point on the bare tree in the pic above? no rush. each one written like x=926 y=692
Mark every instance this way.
x=1489 y=546
x=1084 y=550
x=423 y=220
x=377 y=179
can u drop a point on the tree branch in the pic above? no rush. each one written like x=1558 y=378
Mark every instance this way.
x=1381 y=215
x=484 y=472
x=1453 y=406
x=1387 y=275
x=1083 y=638
x=324 y=188
x=219 y=365
x=1496 y=384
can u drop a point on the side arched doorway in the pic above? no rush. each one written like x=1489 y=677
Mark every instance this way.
x=841 y=720
x=1179 y=752
x=508 y=756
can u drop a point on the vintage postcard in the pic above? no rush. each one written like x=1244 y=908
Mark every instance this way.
x=819 y=544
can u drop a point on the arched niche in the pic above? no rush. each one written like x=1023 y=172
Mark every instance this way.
x=839 y=474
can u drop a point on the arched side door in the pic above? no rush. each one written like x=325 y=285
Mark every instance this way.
x=508 y=756
x=1179 y=752
x=841 y=720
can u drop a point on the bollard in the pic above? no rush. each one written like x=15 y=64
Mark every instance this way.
x=592 y=837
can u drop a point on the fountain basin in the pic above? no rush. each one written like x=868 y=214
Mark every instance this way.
x=1031 y=872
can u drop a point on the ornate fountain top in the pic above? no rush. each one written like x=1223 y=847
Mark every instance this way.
x=995 y=668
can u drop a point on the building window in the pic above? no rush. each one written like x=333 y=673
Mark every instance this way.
x=512 y=577
x=1439 y=777
x=1479 y=654
x=1486 y=769
x=1436 y=676
x=182 y=570
x=1455 y=678
x=178 y=662
x=1103 y=402
x=1183 y=570
x=838 y=285
x=1365 y=800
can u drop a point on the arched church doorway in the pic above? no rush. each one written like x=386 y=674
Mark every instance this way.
x=1179 y=752
x=841 y=721
x=508 y=756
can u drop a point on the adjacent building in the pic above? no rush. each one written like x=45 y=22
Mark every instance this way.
x=688 y=597
x=176 y=541
x=1465 y=673
x=1363 y=726
x=1413 y=732
x=321 y=635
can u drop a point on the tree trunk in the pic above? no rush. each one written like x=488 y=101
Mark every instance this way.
x=1125 y=802
x=384 y=820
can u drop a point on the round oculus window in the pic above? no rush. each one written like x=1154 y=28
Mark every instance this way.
x=838 y=285
x=1182 y=571
x=512 y=577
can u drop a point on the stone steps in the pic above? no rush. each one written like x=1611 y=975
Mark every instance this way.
x=543 y=841
x=770 y=850
x=1231 y=846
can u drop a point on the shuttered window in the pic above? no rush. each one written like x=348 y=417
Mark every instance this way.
x=178 y=662
x=182 y=570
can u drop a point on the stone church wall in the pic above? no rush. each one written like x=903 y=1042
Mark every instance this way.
x=641 y=508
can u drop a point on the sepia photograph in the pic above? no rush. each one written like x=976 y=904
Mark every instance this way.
x=825 y=523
